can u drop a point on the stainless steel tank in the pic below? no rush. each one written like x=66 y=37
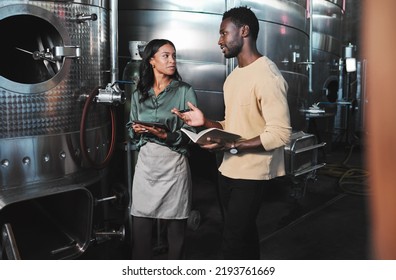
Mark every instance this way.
x=284 y=38
x=55 y=53
x=194 y=28
x=326 y=43
x=326 y=35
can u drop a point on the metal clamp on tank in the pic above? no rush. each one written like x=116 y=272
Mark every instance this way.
x=308 y=64
x=111 y=95
x=81 y=18
x=101 y=236
x=66 y=51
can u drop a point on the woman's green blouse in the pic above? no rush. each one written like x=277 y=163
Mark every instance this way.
x=158 y=109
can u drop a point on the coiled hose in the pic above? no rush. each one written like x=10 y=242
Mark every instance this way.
x=84 y=150
x=352 y=180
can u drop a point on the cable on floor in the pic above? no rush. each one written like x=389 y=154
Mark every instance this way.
x=352 y=180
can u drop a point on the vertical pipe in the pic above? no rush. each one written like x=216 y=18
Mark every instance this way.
x=114 y=40
x=309 y=3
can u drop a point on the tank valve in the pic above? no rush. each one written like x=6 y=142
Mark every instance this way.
x=111 y=95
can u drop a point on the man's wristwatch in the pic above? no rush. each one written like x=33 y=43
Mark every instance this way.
x=233 y=149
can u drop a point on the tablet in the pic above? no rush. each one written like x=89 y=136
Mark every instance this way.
x=152 y=124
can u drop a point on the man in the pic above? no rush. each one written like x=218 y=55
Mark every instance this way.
x=255 y=97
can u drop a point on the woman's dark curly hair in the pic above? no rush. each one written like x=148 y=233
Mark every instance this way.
x=146 y=73
x=243 y=16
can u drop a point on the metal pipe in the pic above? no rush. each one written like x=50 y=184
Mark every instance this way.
x=112 y=93
x=120 y=233
x=114 y=197
x=8 y=243
x=114 y=40
x=310 y=9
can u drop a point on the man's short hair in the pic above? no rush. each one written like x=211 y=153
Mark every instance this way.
x=243 y=16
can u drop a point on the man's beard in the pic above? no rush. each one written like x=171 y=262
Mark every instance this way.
x=233 y=51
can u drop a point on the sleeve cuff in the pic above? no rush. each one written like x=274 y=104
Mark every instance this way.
x=171 y=137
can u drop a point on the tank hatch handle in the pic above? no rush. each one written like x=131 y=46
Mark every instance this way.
x=55 y=54
x=66 y=51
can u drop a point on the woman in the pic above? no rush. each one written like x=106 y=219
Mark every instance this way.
x=162 y=181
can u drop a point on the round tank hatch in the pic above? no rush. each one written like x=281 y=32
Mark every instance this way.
x=24 y=49
x=330 y=89
x=30 y=36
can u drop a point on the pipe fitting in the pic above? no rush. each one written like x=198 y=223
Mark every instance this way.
x=111 y=95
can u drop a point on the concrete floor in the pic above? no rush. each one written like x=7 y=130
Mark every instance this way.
x=329 y=221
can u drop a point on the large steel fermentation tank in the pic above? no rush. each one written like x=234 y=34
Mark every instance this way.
x=326 y=49
x=326 y=45
x=193 y=26
x=55 y=54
